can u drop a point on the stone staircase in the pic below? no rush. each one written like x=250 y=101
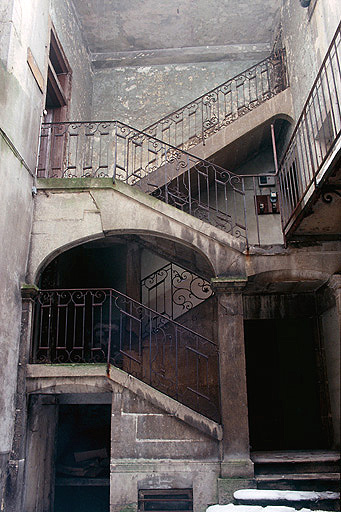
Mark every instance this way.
x=297 y=470
x=280 y=500
x=294 y=479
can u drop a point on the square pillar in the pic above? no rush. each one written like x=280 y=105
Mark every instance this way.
x=236 y=460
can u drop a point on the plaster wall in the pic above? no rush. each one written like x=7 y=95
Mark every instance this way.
x=23 y=26
x=24 y=32
x=140 y=95
x=306 y=37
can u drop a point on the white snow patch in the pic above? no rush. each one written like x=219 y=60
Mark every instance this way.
x=272 y=495
x=254 y=508
x=131 y=88
x=144 y=70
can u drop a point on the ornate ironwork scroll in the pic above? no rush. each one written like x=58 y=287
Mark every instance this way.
x=173 y=290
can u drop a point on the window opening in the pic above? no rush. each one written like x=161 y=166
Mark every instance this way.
x=58 y=82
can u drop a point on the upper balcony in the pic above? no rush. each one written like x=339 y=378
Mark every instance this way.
x=309 y=174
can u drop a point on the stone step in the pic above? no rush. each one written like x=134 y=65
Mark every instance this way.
x=298 y=476
x=294 y=462
x=299 y=481
x=255 y=508
x=296 y=456
x=323 y=500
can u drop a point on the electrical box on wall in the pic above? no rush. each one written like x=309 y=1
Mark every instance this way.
x=267 y=204
x=266 y=181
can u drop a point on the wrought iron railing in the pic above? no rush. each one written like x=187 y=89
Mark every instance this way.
x=112 y=149
x=172 y=290
x=201 y=118
x=105 y=326
x=317 y=132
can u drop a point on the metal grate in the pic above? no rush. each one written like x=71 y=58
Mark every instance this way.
x=165 y=500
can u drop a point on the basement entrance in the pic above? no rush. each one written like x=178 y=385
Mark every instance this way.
x=82 y=458
x=282 y=381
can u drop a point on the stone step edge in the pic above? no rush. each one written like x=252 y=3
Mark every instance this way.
x=253 y=495
x=255 y=508
x=297 y=476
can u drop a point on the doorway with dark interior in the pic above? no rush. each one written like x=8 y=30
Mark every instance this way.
x=82 y=458
x=284 y=392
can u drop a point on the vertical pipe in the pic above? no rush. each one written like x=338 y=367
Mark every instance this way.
x=110 y=326
x=274 y=150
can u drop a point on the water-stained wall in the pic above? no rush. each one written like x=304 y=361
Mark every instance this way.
x=140 y=95
x=307 y=33
x=23 y=39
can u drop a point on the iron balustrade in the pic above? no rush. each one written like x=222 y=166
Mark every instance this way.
x=110 y=149
x=195 y=122
x=317 y=132
x=105 y=326
x=173 y=290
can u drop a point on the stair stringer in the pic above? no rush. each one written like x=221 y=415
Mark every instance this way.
x=57 y=379
x=69 y=212
x=278 y=106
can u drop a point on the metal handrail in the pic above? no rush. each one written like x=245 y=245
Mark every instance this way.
x=103 y=325
x=313 y=139
x=200 y=118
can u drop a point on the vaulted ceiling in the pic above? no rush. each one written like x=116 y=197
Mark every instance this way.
x=176 y=30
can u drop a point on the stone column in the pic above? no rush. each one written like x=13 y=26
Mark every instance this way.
x=14 y=487
x=133 y=272
x=233 y=394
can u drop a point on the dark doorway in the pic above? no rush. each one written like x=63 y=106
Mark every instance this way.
x=282 y=382
x=82 y=458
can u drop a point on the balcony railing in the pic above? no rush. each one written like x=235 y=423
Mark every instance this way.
x=201 y=118
x=105 y=326
x=172 y=290
x=304 y=166
x=112 y=149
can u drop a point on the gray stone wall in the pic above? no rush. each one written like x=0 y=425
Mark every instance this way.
x=139 y=96
x=306 y=37
x=153 y=450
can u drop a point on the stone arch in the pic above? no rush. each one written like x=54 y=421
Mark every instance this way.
x=67 y=218
x=79 y=242
x=269 y=277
